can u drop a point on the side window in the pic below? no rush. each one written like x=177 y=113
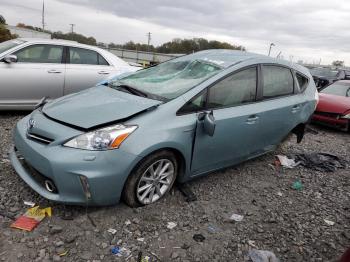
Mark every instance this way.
x=236 y=89
x=195 y=104
x=278 y=81
x=102 y=61
x=40 y=54
x=302 y=82
x=83 y=56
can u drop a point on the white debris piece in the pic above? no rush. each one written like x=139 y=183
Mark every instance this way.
x=112 y=231
x=171 y=225
x=329 y=222
x=236 y=217
x=287 y=162
x=29 y=203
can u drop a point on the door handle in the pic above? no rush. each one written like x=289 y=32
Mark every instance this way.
x=54 y=71
x=103 y=73
x=295 y=108
x=252 y=119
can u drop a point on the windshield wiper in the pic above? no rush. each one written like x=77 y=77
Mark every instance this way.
x=132 y=90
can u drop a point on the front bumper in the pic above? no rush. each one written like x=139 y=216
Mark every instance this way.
x=105 y=171
x=339 y=123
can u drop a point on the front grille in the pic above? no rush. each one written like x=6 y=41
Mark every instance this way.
x=38 y=138
x=327 y=114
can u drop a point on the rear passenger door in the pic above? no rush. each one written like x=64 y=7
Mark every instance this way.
x=84 y=69
x=279 y=103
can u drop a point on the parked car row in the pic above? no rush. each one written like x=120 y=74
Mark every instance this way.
x=31 y=69
x=324 y=76
x=133 y=137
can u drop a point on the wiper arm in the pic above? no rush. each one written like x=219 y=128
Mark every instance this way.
x=133 y=90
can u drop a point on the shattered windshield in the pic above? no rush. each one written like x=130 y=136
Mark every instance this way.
x=4 y=46
x=170 y=79
x=338 y=89
x=326 y=72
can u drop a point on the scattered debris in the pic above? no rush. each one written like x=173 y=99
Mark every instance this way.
x=29 y=203
x=127 y=222
x=31 y=218
x=262 y=256
x=187 y=192
x=252 y=243
x=171 y=225
x=211 y=229
x=320 y=161
x=236 y=218
x=287 y=162
x=279 y=193
x=112 y=231
x=297 y=185
x=121 y=251
x=141 y=239
x=329 y=222
x=63 y=253
x=198 y=237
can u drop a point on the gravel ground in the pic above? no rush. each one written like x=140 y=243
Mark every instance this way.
x=277 y=218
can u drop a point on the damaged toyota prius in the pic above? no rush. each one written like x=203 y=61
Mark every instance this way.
x=184 y=118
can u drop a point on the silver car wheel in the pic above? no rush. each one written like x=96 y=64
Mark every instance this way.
x=155 y=181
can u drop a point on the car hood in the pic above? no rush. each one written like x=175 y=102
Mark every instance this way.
x=333 y=104
x=96 y=106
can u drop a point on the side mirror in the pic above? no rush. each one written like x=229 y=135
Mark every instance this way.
x=209 y=124
x=10 y=59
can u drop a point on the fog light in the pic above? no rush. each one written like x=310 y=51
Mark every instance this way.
x=86 y=187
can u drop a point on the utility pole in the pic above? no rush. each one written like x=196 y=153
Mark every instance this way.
x=72 y=28
x=148 y=40
x=43 y=16
x=271 y=45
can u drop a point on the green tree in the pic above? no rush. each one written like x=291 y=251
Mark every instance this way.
x=338 y=63
x=2 y=20
x=75 y=37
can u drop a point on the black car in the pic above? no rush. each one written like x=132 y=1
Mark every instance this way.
x=324 y=76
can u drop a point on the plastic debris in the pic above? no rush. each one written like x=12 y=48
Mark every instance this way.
x=141 y=239
x=121 y=251
x=297 y=185
x=323 y=162
x=30 y=219
x=279 y=194
x=29 y=203
x=252 y=243
x=198 y=237
x=171 y=225
x=127 y=222
x=262 y=256
x=212 y=229
x=236 y=218
x=112 y=231
x=287 y=162
x=329 y=222
x=63 y=253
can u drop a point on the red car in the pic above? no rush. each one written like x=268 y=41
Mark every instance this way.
x=333 y=108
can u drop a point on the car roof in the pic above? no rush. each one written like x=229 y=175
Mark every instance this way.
x=226 y=58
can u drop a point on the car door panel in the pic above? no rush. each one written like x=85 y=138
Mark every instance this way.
x=25 y=83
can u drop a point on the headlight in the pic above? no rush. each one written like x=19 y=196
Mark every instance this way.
x=346 y=116
x=102 y=139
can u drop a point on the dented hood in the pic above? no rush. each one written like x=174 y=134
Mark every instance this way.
x=96 y=106
x=333 y=104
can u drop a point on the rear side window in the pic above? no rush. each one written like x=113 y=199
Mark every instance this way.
x=40 y=54
x=83 y=56
x=302 y=82
x=278 y=81
x=239 y=88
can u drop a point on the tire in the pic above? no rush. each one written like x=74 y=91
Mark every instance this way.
x=141 y=179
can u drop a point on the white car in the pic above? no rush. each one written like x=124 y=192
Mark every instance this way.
x=31 y=69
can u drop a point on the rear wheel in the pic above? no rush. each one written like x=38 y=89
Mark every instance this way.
x=151 y=179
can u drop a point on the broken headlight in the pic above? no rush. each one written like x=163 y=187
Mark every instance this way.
x=106 y=138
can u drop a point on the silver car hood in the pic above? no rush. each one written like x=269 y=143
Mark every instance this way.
x=96 y=106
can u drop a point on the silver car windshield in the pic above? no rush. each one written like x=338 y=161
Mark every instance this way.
x=7 y=45
x=170 y=79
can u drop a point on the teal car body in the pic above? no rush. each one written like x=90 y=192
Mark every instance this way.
x=241 y=128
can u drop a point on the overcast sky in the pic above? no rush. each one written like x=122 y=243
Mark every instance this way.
x=307 y=30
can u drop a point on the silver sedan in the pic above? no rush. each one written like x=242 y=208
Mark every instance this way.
x=31 y=69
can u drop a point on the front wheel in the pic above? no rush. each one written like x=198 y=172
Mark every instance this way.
x=151 y=179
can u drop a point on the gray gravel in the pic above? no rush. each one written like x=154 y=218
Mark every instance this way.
x=277 y=218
